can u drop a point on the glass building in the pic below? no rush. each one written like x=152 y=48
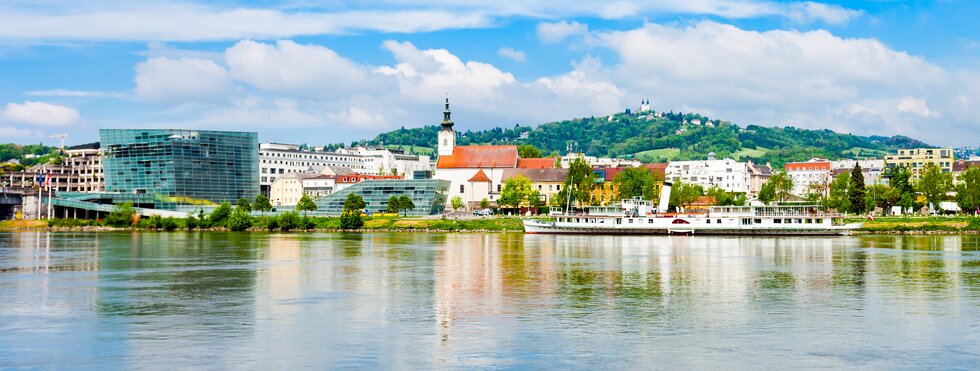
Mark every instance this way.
x=428 y=195
x=181 y=169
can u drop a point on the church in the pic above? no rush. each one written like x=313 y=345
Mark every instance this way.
x=476 y=172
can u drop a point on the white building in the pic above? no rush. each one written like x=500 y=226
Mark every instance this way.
x=276 y=159
x=593 y=161
x=871 y=169
x=808 y=177
x=728 y=174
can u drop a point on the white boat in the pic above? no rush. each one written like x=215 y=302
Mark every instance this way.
x=640 y=217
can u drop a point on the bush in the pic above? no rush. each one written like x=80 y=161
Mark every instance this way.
x=239 y=220
x=220 y=215
x=289 y=221
x=190 y=222
x=271 y=223
x=121 y=216
x=168 y=223
x=351 y=219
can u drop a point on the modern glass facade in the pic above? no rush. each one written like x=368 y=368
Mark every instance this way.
x=181 y=169
x=428 y=195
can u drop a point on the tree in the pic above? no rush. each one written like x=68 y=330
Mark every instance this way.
x=634 y=182
x=855 y=190
x=783 y=185
x=528 y=151
x=484 y=204
x=261 y=203
x=934 y=185
x=244 y=204
x=220 y=214
x=515 y=191
x=456 y=203
x=906 y=202
x=121 y=215
x=534 y=200
x=881 y=195
x=350 y=217
x=394 y=205
x=767 y=194
x=722 y=197
x=578 y=183
x=354 y=202
x=406 y=203
x=683 y=194
x=839 y=199
x=239 y=220
x=305 y=204
x=288 y=221
x=968 y=191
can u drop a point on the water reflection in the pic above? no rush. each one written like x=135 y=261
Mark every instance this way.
x=415 y=300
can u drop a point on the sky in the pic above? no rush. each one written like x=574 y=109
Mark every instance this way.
x=319 y=72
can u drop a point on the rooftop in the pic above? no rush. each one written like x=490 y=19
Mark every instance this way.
x=480 y=157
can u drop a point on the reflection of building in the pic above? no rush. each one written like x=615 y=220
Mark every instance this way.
x=428 y=195
x=916 y=159
x=181 y=167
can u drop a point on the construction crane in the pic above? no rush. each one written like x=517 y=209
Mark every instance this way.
x=62 y=136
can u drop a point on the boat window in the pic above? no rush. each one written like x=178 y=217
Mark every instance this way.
x=777 y=221
x=649 y=221
x=631 y=221
x=709 y=221
x=619 y=220
x=758 y=221
x=719 y=221
x=680 y=221
x=746 y=221
x=809 y=221
x=798 y=221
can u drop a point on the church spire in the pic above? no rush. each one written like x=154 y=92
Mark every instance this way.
x=447 y=122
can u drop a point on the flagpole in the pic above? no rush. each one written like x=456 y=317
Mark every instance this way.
x=49 y=196
x=40 y=192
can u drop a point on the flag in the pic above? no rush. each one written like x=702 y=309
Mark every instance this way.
x=871 y=216
x=47 y=181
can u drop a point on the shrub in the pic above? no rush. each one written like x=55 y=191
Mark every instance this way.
x=289 y=221
x=121 y=216
x=239 y=220
x=220 y=215
x=351 y=219
x=168 y=223
x=190 y=222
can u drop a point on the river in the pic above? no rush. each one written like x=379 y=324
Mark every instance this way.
x=433 y=300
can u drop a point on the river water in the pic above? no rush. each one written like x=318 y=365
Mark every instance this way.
x=429 y=300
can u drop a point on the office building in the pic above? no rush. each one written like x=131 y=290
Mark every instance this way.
x=428 y=195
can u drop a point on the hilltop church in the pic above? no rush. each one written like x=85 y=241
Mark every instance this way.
x=476 y=172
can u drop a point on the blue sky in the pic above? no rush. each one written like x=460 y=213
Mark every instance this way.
x=330 y=71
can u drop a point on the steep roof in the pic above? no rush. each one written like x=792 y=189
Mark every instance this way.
x=538 y=175
x=657 y=168
x=479 y=157
x=480 y=176
x=536 y=163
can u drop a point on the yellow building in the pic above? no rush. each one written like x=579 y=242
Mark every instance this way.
x=547 y=182
x=916 y=159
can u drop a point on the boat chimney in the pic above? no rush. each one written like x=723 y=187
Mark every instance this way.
x=664 y=198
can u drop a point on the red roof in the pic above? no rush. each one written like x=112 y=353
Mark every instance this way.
x=480 y=176
x=657 y=168
x=536 y=163
x=479 y=157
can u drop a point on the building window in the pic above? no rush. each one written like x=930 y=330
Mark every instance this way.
x=460 y=188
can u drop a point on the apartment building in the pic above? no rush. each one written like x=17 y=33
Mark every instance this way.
x=915 y=159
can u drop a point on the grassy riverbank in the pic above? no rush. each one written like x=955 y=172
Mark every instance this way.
x=318 y=224
x=920 y=224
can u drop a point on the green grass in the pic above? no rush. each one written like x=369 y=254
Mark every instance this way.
x=919 y=223
x=866 y=152
x=749 y=152
x=654 y=154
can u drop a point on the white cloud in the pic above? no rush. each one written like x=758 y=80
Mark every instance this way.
x=162 y=79
x=41 y=114
x=76 y=93
x=917 y=107
x=514 y=55
x=810 y=12
x=174 y=20
x=557 y=32
x=295 y=69
x=806 y=79
x=8 y=133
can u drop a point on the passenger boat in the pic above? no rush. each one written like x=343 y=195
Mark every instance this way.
x=640 y=217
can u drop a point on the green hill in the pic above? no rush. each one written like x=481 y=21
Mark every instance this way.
x=675 y=136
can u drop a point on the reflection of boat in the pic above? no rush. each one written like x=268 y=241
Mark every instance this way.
x=639 y=217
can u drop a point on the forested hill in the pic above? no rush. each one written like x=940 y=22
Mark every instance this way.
x=671 y=136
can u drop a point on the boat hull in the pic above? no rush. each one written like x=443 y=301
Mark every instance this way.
x=537 y=227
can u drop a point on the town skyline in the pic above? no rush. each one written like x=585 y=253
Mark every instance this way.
x=341 y=73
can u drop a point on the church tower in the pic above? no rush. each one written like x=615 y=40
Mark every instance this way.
x=447 y=136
